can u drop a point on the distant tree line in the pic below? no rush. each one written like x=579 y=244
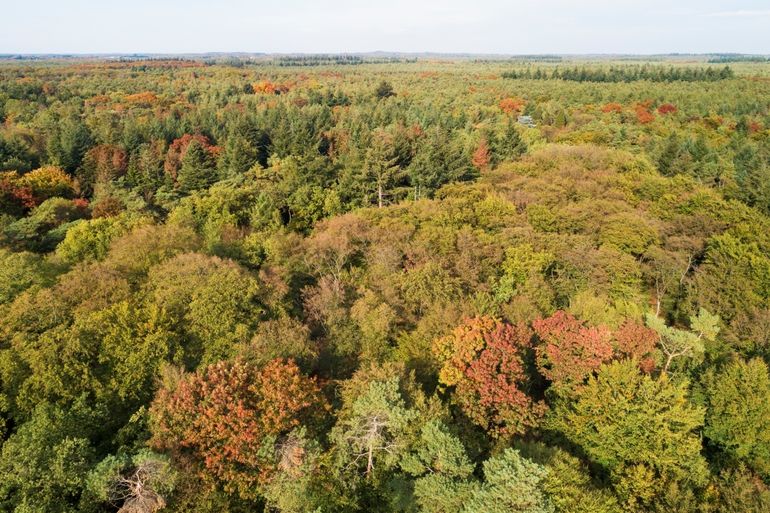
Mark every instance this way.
x=721 y=59
x=625 y=74
x=325 y=60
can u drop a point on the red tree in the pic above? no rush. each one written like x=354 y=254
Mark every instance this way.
x=481 y=156
x=106 y=161
x=483 y=359
x=666 y=108
x=612 y=107
x=568 y=350
x=643 y=114
x=638 y=342
x=228 y=417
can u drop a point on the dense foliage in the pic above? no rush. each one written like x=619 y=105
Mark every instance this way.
x=384 y=287
x=628 y=74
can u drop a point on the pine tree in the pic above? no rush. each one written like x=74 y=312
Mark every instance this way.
x=239 y=156
x=438 y=161
x=197 y=171
x=380 y=168
x=511 y=145
x=384 y=90
x=511 y=483
x=668 y=158
x=371 y=434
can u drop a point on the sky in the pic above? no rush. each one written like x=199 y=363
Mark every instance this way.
x=324 y=26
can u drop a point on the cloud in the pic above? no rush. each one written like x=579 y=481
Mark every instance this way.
x=741 y=13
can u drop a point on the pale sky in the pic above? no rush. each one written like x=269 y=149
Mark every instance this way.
x=325 y=26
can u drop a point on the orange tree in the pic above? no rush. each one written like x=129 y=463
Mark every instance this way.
x=229 y=419
x=483 y=359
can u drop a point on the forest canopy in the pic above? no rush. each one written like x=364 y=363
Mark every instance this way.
x=326 y=284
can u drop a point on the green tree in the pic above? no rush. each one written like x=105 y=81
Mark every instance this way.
x=381 y=170
x=213 y=302
x=568 y=483
x=140 y=482
x=752 y=174
x=20 y=271
x=145 y=168
x=642 y=430
x=69 y=143
x=676 y=343
x=239 y=156
x=44 y=464
x=90 y=239
x=198 y=169
x=510 y=145
x=733 y=278
x=670 y=156
x=739 y=490
x=371 y=432
x=512 y=484
x=112 y=356
x=438 y=160
x=738 y=413
x=45 y=227
x=384 y=90
x=443 y=470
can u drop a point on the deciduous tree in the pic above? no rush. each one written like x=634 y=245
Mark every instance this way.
x=641 y=429
x=482 y=362
x=229 y=419
x=568 y=351
x=739 y=413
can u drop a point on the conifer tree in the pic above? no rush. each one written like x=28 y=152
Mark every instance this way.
x=197 y=171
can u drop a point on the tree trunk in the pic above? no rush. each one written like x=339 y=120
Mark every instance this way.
x=370 y=462
x=668 y=363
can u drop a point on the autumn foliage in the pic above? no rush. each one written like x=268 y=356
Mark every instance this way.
x=666 y=108
x=568 y=350
x=31 y=189
x=264 y=87
x=104 y=163
x=13 y=196
x=480 y=158
x=612 y=107
x=483 y=359
x=145 y=98
x=643 y=114
x=636 y=342
x=178 y=148
x=228 y=417
x=268 y=87
x=511 y=105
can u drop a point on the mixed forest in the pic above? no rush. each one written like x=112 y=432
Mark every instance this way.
x=332 y=285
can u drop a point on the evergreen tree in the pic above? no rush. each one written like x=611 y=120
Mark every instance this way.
x=511 y=484
x=380 y=169
x=197 y=171
x=438 y=161
x=145 y=168
x=69 y=144
x=510 y=145
x=384 y=90
x=444 y=470
x=238 y=157
x=752 y=173
x=669 y=156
